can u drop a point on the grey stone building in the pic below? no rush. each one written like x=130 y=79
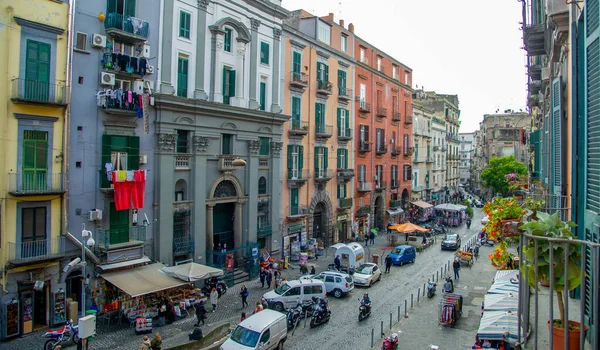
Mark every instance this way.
x=465 y=152
x=219 y=127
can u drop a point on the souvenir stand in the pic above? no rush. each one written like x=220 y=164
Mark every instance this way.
x=295 y=251
x=421 y=211
x=450 y=309
x=450 y=214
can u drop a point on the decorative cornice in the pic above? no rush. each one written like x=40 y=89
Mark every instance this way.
x=323 y=54
x=268 y=7
x=277 y=34
x=344 y=64
x=39 y=26
x=200 y=143
x=297 y=44
x=166 y=142
x=216 y=30
x=35 y=117
x=276 y=148
x=203 y=4
x=255 y=23
x=363 y=76
x=379 y=83
x=254 y=147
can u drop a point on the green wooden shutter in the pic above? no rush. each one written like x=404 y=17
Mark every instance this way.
x=345 y=159
x=225 y=87
x=129 y=8
x=296 y=112
x=290 y=162
x=297 y=62
x=263 y=93
x=231 y=83
x=264 y=53
x=182 y=77
x=227 y=45
x=325 y=158
x=319 y=117
x=319 y=71
x=106 y=149
x=300 y=157
x=557 y=142
x=35 y=160
x=316 y=159
x=184 y=25
x=326 y=76
x=347 y=119
x=37 y=71
x=111 y=6
x=339 y=122
x=133 y=153
x=339 y=158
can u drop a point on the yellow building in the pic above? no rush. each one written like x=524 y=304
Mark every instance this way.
x=34 y=96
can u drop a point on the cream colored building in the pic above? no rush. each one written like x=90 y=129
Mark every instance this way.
x=423 y=184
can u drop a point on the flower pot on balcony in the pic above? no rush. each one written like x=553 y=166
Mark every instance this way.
x=509 y=228
x=558 y=335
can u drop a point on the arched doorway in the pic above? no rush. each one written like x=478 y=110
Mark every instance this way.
x=320 y=218
x=379 y=213
x=224 y=216
x=319 y=222
x=405 y=199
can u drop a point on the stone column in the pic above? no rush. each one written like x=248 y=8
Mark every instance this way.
x=199 y=92
x=276 y=70
x=165 y=163
x=239 y=74
x=166 y=85
x=275 y=190
x=252 y=171
x=209 y=227
x=198 y=190
x=237 y=225
x=216 y=44
x=253 y=103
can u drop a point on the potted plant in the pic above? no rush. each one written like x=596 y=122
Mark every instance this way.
x=502 y=212
x=534 y=205
x=551 y=226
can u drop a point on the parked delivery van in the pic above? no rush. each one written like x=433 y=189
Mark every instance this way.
x=290 y=293
x=264 y=330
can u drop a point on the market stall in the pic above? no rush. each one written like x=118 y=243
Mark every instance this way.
x=351 y=255
x=503 y=287
x=498 y=327
x=450 y=309
x=507 y=275
x=501 y=302
x=191 y=272
x=421 y=211
x=450 y=214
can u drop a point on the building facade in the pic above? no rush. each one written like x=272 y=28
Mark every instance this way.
x=439 y=182
x=383 y=129
x=317 y=189
x=218 y=131
x=34 y=97
x=465 y=152
x=423 y=159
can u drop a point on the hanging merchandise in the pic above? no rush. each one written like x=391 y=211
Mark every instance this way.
x=129 y=188
x=137 y=188
x=145 y=98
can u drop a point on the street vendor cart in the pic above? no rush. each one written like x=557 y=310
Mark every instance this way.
x=351 y=255
x=465 y=258
x=450 y=309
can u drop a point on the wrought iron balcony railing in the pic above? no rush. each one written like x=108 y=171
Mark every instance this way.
x=38 y=93
x=115 y=237
x=35 y=251
x=298 y=127
x=39 y=183
x=126 y=27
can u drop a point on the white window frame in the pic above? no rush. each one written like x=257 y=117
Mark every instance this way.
x=324 y=32
x=295 y=161
x=395 y=72
x=379 y=63
x=321 y=162
x=363 y=54
x=344 y=42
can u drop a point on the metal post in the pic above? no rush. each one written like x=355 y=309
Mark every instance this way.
x=437 y=276
x=405 y=309
x=83 y=272
x=423 y=290
x=372 y=337
x=418 y=294
x=390 y=321
x=305 y=318
x=398 y=313
x=411 y=300
x=381 y=329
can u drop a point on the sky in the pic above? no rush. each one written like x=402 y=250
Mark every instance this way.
x=453 y=47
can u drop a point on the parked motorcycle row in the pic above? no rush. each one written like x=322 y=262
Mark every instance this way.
x=319 y=312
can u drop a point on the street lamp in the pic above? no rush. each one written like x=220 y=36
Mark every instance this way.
x=86 y=240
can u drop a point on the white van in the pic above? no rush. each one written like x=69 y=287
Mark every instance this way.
x=290 y=293
x=264 y=330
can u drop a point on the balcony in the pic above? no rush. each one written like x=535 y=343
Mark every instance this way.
x=264 y=229
x=535 y=40
x=36 y=251
x=182 y=162
x=364 y=146
x=395 y=203
x=422 y=132
x=131 y=72
x=324 y=87
x=394 y=183
x=226 y=163
x=436 y=148
x=344 y=203
x=364 y=107
x=35 y=184
x=183 y=245
x=116 y=238
x=381 y=149
x=344 y=94
x=126 y=29
x=38 y=93
x=396 y=150
x=419 y=160
x=298 y=80
x=324 y=175
x=298 y=128
x=380 y=185
x=345 y=174
x=323 y=131
x=418 y=188
x=364 y=186
x=408 y=119
x=382 y=112
x=297 y=177
x=444 y=148
x=429 y=159
x=395 y=116
x=297 y=212
x=344 y=134
x=263 y=163
x=409 y=151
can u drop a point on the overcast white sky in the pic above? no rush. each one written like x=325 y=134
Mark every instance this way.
x=465 y=47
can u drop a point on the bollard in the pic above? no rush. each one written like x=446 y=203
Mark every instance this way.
x=423 y=290
x=411 y=301
x=432 y=278
x=437 y=276
x=418 y=295
x=444 y=268
x=382 y=328
x=398 y=313
x=305 y=318
x=390 y=321
x=405 y=309
x=372 y=337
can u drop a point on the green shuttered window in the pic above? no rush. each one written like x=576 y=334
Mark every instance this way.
x=264 y=146
x=228 y=85
x=37 y=71
x=35 y=160
x=182 y=77
x=185 y=20
x=264 y=53
x=263 y=95
x=228 y=35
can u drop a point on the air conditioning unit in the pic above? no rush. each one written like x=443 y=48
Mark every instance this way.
x=95 y=215
x=146 y=51
x=107 y=78
x=149 y=84
x=546 y=71
x=138 y=86
x=99 y=41
x=143 y=159
x=150 y=70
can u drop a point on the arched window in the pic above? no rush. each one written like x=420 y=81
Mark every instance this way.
x=262 y=185
x=180 y=189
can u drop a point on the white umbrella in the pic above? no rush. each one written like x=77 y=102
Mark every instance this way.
x=501 y=302
x=191 y=272
x=449 y=207
x=503 y=287
x=506 y=275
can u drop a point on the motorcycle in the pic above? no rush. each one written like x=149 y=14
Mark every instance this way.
x=391 y=342
x=431 y=287
x=295 y=314
x=364 y=310
x=209 y=284
x=448 y=286
x=321 y=313
x=58 y=336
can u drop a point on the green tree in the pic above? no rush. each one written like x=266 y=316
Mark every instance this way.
x=494 y=176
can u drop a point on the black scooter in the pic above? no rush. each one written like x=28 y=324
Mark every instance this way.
x=295 y=314
x=321 y=314
x=431 y=287
x=364 y=311
x=209 y=284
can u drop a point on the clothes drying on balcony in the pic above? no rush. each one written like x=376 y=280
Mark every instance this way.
x=136 y=23
x=128 y=186
x=122 y=99
x=124 y=63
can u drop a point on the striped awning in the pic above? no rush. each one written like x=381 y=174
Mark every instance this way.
x=503 y=287
x=498 y=325
x=501 y=302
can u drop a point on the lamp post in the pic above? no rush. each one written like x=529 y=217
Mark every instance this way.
x=86 y=240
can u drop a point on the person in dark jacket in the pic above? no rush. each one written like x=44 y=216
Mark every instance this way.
x=312 y=270
x=262 y=276
x=200 y=314
x=388 y=263
x=372 y=236
x=456 y=266
x=268 y=278
x=156 y=342
x=337 y=262
x=244 y=295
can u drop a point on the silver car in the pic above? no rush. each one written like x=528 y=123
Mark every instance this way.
x=367 y=274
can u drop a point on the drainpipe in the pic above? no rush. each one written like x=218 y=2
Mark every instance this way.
x=308 y=195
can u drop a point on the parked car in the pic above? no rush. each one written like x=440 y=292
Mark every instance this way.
x=403 y=254
x=477 y=203
x=451 y=242
x=264 y=330
x=336 y=283
x=290 y=293
x=367 y=274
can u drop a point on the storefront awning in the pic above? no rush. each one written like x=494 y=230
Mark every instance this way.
x=143 y=260
x=422 y=204
x=142 y=280
x=395 y=211
x=296 y=228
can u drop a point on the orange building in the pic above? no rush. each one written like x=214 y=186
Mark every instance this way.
x=383 y=133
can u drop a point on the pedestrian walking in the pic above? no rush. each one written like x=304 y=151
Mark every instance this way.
x=258 y=307
x=312 y=270
x=269 y=278
x=156 y=343
x=337 y=262
x=262 y=276
x=372 y=236
x=214 y=297
x=366 y=238
x=277 y=278
x=200 y=313
x=456 y=266
x=145 y=345
x=303 y=270
x=406 y=237
x=388 y=263
x=244 y=295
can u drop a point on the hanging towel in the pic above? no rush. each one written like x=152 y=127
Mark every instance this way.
x=129 y=176
x=137 y=188
x=122 y=193
x=121 y=175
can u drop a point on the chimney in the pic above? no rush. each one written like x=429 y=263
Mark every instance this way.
x=351 y=28
x=342 y=23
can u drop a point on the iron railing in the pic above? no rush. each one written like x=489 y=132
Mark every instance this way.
x=364 y=186
x=364 y=146
x=345 y=203
x=298 y=174
x=115 y=236
x=344 y=133
x=30 y=183
x=408 y=119
x=298 y=127
x=126 y=24
x=364 y=106
x=298 y=210
x=323 y=87
x=396 y=150
x=381 y=148
x=395 y=116
x=344 y=93
x=395 y=203
x=264 y=229
x=183 y=245
x=324 y=174
x=324 y=131
x=242 y=260
x=298 y=79
x=553 y=204
x=38 y=92
x=37 y=250
x=381 y=111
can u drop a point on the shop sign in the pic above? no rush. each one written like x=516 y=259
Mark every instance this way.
x=363 y=211
x=229 y=262
x=342 y=217
x=254 y=251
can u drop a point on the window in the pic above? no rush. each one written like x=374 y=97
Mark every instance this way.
x=294 y=204
x=37 y=71
x=121 y=7
x=364 y=134
x=296 y=110
x=362 y=173
x=264 y=339
x=406 y=80
x=321 y=161
x=322 y=74
x=342 y=82
x=344 y=43
x=185 y=20
x=363 y=55
x=343 y=122
x=329 y=279
x=228 y=85
x=324 y=32
x=320 y=117
x=182 y=77
x=394 y=175
x=406 y=142
x=342 y=158
x=121 y=152
x=262 y=185
x=341 y=190
x=263 y=95
x=227 y=44
x=379 y=174
x=264 y=52
x=407 y=173
x=35 y=160
x=380 y=139
x=81 y=41
x=33 y=229
x=394 y=71
x=363 y=94
x=264 y=146
x=295 y=161
x=379 y=60
x=227 y=144
x=182 y=141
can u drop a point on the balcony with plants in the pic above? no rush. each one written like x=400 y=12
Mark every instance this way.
x=298 y=128
x=396 y=150
x=298 y=80
x=324 y=87
x=409 y=151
